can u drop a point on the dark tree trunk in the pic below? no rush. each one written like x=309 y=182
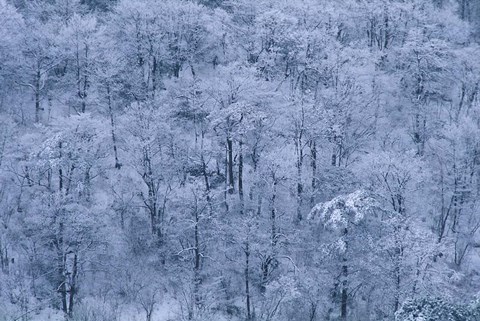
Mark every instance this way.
x=299 y=165
x=112 y=125
x=62 y=270
x=344 y=293
x=197 y=265
x=154 y=76
x=240 y=178
x=73 y=285
x=247 y=280
x=231 y=182
x=313 y=151
x=38 y=108
x=60 y=171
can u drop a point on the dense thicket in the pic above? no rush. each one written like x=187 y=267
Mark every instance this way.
x=239 y=160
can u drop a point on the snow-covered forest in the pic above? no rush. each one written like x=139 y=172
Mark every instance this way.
x=244 y=160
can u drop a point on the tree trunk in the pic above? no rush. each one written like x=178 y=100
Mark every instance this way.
x=73 y=285
x=397 y=270
x=231 y=183
x=62 y=274
x=112 y=125
x=37 y=96
x=151 y=200
x=149 y=315
x=247 y=279
x=207 y=183
x=386 y=27
x=240 y=178
x=60 y=171
x=197 y=265
x=4 y=259
x=273 y=218
x=344 y=293
x=299 y=165
x=313 y=152
x=226 y=187
x=154 y=77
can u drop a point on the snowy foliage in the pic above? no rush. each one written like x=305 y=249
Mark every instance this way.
x=239 y=160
